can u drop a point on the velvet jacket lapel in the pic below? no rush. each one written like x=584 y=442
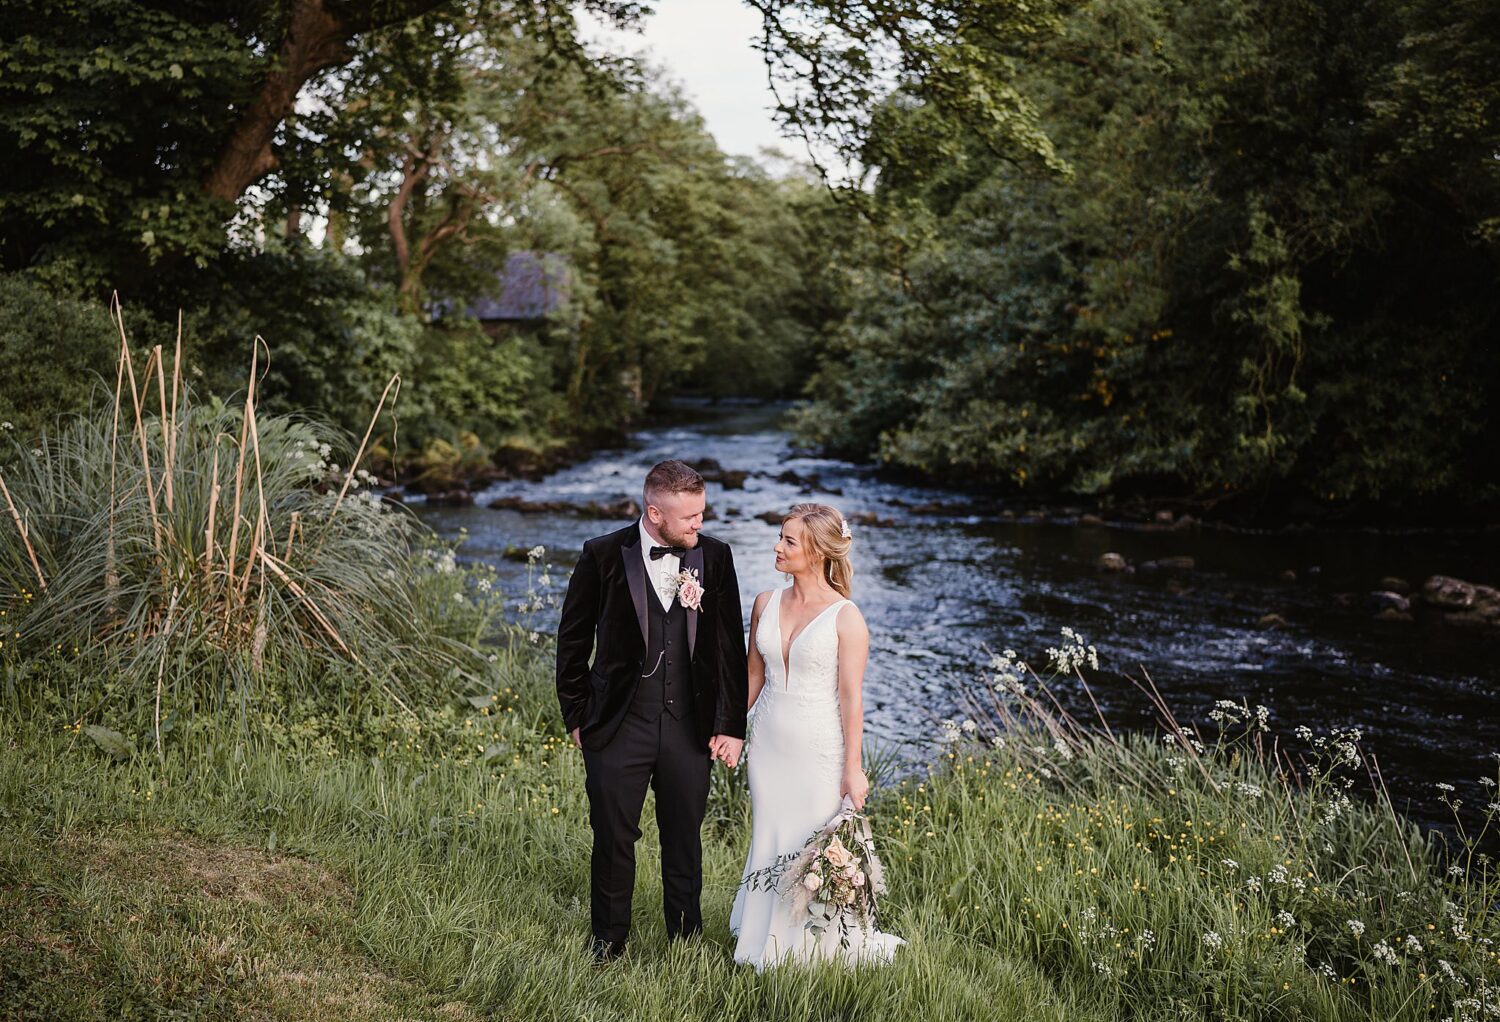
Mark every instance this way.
x=693 y=561
x=635 y=575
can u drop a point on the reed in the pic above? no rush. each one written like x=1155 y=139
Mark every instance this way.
x=120 y=544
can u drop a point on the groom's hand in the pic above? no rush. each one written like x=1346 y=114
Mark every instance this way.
x=578 y=742
x=727 y=749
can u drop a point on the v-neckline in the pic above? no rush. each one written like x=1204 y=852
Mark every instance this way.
x=786 y=657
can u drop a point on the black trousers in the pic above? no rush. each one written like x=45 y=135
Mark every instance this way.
x=667 y=755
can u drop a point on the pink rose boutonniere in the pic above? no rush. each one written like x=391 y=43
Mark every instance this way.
x=689 y=589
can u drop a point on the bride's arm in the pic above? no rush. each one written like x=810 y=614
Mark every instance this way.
x=854 y=650
x=754 y=661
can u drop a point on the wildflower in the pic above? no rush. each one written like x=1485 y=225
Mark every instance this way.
x=1412 y=945
x=1455 y=871
x=484 y=585
x=1062 y=750
x=1285 y=919
x=1303 y=732
x=1248 y=790
x=7 y=425
x=1146 y=939
x=536 y=553
x=1384 y=954
x=969 y=726
x=1230 y=863
x=1277 y=874
x=1488 y=782
x=1212 y=940
x=1070 y=657
x=1447 y=970
x=1355 y=927
x=1444 y=786
x=1252 y=883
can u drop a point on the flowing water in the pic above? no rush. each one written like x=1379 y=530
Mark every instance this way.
x=942 y=587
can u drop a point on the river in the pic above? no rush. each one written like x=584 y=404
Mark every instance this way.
x=940 y=587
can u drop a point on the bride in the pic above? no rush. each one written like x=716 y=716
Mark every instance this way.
x=808 y=645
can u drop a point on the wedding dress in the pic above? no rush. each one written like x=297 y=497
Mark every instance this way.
x=795 y=758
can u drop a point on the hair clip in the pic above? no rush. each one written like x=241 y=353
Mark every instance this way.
x=847 y=532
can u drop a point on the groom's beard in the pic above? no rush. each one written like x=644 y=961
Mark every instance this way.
x=682 y=539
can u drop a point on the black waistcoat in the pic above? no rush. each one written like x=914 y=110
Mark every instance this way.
x=669 y=686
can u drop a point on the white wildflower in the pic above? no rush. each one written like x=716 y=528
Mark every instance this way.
x=1213 y=940
x=1277 y=874
x=1444 y=786
x=1229 y=863
x=1285 y=919
x=1412 y=945
x=536 y=553
x=1355 y=927
x=1146 y=939
x=1248 y=790
x=1383 y=954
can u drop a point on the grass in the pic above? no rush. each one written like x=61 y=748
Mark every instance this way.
x=438 y=868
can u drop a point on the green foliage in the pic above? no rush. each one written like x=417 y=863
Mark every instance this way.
x=55 y=353
x=1271 y=266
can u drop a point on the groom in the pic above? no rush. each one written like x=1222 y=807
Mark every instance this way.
x=658 y=605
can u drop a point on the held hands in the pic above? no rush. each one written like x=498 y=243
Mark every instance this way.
x=577 y=742
x=726 y=749
x=856 y=785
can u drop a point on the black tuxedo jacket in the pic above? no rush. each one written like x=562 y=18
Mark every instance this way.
x=604 y=614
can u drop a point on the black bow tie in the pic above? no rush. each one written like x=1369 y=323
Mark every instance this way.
x=658 y=552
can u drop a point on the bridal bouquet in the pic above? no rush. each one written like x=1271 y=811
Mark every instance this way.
x=834 y=879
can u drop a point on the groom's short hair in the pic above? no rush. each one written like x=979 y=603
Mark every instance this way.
x=669 y=477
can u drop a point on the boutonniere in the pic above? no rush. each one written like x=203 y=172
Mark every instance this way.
x=686 y=588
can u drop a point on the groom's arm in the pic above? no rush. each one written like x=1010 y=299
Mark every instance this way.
x=575 y=640
x=734 y=681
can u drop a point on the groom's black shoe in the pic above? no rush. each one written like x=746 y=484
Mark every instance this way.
x=605 y=950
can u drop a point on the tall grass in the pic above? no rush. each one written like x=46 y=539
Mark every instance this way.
x=190 y=550
x=445 y=874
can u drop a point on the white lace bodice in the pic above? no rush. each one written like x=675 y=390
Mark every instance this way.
x=810 y=674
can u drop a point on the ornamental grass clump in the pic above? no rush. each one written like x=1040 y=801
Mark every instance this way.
x=196 y=553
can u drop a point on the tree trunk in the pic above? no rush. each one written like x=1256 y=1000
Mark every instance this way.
x=315 y=39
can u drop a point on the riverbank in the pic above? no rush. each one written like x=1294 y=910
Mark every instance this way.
x=370 y=864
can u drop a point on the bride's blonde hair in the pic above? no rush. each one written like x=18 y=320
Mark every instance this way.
x=825 y=537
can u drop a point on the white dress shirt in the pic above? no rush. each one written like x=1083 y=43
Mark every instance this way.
x=659 y=571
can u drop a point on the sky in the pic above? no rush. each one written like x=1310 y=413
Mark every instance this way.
x=705 y=46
